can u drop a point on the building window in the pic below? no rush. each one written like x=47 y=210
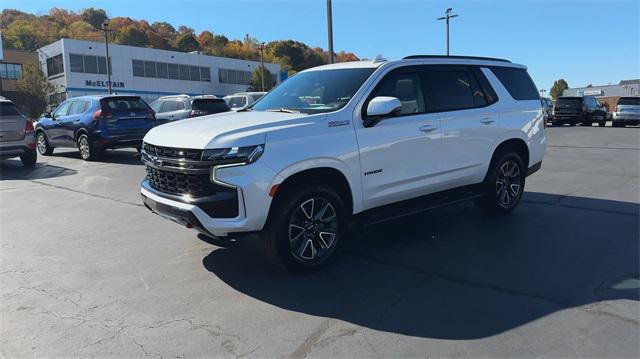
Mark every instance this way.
x=10 y=71
x=150 y=69
x=237 y=77
x=195 y=73
x=163 y=73
x=205 y=74
x=88 y=64
x=184 y=72
x=174 y=71
x=162 y=70
x=55 y=65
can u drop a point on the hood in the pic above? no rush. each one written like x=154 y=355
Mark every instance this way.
x=223 y=130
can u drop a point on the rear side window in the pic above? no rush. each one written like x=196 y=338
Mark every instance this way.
x=210 y=105
x=517 y=82
x=123 y=104
x=9 y=109
x=454 y=88
x=629 y=101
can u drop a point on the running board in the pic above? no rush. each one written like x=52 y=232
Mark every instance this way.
x=418 y=205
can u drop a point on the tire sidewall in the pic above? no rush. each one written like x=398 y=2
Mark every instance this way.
x=46 y=143
x=91 y=149
x=279 y=226
x=491 y=196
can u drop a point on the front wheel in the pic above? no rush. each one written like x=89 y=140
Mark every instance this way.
x=306 y=226
x=504 y=184
x=88 y=152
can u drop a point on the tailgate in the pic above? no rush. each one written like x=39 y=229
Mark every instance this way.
x=12 y=122
x=126 y=115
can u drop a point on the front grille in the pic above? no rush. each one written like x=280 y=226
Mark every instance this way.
x=170 y=152
x=193 y=185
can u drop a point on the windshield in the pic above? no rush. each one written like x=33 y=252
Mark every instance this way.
x=634 y=101
x=315 y=91
x=237 y=101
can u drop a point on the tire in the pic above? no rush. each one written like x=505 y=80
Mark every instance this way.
x=29 y=159
x=504 y=184
x=42 y=144
x=88 y=152
x=305 y=228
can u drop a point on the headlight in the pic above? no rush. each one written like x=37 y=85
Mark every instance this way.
x=223 y=156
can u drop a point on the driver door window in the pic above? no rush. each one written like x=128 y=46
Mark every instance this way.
x=63 y=110
x=407 y=87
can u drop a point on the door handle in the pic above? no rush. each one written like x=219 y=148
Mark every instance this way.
x=427 y=128
x=487 y=121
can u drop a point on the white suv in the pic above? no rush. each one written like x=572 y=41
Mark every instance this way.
x=362 y=141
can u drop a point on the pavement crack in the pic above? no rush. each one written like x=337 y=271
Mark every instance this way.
x=304 y=349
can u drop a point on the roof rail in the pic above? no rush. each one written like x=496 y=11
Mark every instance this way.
x=454 y=57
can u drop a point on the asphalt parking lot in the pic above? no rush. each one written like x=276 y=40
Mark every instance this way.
x=86 y=270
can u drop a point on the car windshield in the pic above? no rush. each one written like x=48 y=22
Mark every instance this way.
x=315 y=91
x=633 y=101
x=237 y=101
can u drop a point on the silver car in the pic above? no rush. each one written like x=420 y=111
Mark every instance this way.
x=627 y=112
x=179 y=107
x=16 y=134
x=242 y=100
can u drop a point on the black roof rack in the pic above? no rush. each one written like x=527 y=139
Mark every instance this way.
x=454 y=57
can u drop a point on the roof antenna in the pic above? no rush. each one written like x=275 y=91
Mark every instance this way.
x=379 y=58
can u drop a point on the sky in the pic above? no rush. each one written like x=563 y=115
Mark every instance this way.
x=584 y=42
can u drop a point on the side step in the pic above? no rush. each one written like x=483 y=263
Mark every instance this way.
x=420 y=204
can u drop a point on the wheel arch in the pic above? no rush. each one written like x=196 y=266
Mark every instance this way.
x=512 y=144
x=79 y=132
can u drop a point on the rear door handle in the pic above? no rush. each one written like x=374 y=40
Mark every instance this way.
x=427 y=128
x=487 y=121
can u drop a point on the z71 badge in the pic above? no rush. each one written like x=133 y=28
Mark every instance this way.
x=338 y=123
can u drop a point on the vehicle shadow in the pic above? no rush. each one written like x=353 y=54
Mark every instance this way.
x=120 y=156
x=456 y=273
x=13 y=169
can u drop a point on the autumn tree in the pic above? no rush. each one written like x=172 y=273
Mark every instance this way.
x=131 y=35
x=21 y=34
x=35 y=88
x=94 y=17
x=187 y=42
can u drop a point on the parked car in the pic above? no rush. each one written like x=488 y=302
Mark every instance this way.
x=584 y=110
x=173 y=108
x=547 y=108
x=382 y=139
x=627 y=111
x=16 y=134
x=242 y=100
x=95 y=123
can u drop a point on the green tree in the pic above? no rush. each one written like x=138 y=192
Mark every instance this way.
x=21 y=34
x=95 y=17
x=558 y=87
x=256 y=80
x=35 y=88
x=131 y=35
x=187 y=42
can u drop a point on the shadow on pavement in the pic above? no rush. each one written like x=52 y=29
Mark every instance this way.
x=122 y=156
x=455 y=273
x=13 y=169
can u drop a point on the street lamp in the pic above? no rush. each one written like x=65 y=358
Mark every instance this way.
x=262 y=64
x=446 y=17
x=105 y=29
x=330 y=30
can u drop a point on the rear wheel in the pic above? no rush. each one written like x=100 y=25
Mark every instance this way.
x=29 y=158
x=88 y=152
x=504 y=184
x=306 y=226
x=42 y=144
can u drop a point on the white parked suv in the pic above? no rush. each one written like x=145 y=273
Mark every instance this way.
x=350 y=142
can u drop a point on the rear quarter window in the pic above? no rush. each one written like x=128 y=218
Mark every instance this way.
x=517 y=82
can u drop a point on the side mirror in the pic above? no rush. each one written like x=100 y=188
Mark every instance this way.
x=47 y=115
x=380 y=107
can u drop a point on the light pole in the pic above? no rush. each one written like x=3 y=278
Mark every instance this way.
x=446 y=17
x=105 y=29
x=330 y=31
x=262 y=64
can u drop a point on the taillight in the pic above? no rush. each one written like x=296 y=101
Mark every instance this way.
x=28 y=127
x=584 y=108
x=151 y=114
x=98 y=115
x=195 y=113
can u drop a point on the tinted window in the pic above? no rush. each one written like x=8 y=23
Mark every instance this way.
x=315 y=91
x=149 y=69
x=54 y=65
x=9 y=109
x=407 y=87
x=453 y=89
x=210 y=105
x=123 y=104
x=569 y=102
x=489 y=93
x=90 y=64
x=138 y=68
x=168 y=106
x=517 y=82
x=634 y=101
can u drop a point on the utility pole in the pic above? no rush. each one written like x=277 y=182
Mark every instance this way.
x=105 y=29
x=262 y=64
x=330 y=30
x=446 y=17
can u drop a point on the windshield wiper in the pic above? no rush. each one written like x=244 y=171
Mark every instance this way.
x=285 y=110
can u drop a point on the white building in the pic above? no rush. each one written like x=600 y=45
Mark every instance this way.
x=78 y=68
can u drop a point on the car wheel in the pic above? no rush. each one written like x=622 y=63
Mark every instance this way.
x=504 y=184
x=306 y=227
x=87 y=151
x=29 y=158
x=42 y=144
